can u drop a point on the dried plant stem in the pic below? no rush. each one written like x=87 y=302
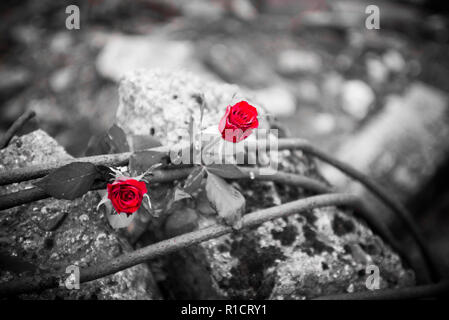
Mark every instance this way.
x=418 y=292
x=16 y=126
x=41 y=282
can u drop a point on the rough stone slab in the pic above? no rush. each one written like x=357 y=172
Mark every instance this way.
x=403 y=147
x=321 y=252
x=27 y=242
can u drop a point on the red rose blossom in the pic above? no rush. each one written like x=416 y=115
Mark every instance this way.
x=238 y=122
x=126 y=195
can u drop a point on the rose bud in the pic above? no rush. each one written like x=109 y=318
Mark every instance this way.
x=238 y=122
x=126 y=195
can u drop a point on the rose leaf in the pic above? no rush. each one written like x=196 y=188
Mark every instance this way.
x=228 y=201
x=193 y=181
x=180 y=194
x=70 y=181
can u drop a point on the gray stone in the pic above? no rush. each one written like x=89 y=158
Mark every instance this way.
x=243 y=9
x=12 y=79
x=123 y=53
x=403 y=147
x=62 y=78
x=293 y=62
x=52 y=234
x=377 y=71
x=197 y=9
x=394 y=60
x=278 y=100
x=236 y=61
x=357 y=98
x=305 y=255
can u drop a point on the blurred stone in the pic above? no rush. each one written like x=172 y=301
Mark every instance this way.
x=48 y=112
x=197 y=9
x=377 y=71
x=122 y=54
x=302 y=256
x=61 y=42
x=243 y=9
x=357 y=98
x=324 y=123
x=393 y=60
x=294 y=62
x=80 y=237
x=61 y=79
x=235 y=61
x=307 y=91
x=13 y=79
x=403 y=146
x=26 y=34
x=331 y=87
x=277 y=100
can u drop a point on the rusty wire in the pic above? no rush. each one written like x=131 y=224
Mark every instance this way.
x=24 y=196
x=37 y=283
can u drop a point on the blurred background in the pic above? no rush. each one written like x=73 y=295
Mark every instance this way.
x=376 y=98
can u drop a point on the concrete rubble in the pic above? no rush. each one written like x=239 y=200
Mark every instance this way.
x=321 y=252
x=53 y=234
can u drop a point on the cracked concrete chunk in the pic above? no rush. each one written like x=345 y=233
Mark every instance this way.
x=309 y=254
x=52 y=234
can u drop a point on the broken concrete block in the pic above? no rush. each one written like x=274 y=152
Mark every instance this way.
x=50 y=235
x=309 y=254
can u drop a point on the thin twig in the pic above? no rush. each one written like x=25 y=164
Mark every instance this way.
x=41 y=282
x=418 y=292
x=15 y=127
x=17 y=198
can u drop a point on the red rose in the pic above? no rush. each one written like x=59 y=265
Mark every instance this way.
x=126 y=195
x=238 y=122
